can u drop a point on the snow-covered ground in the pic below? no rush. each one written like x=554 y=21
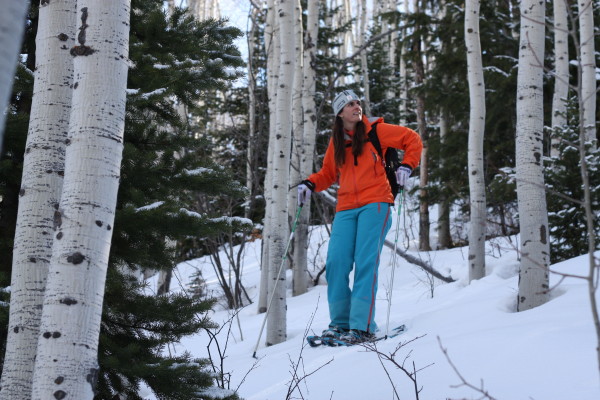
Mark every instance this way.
x=548 y=353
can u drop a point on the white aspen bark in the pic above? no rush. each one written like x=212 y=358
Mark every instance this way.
x=272 y=50
x=392 y=45
x=297 y=119
x=41 y=185
x=308 y=143
x=364 y=66
x=278 y=238
x=533 y=216
x=300 y=273
x=12 y=25
x=475 y=147
x=251 y=112
x=67 y=352
x=588 y=67
x=561 y=70
x=404 y=73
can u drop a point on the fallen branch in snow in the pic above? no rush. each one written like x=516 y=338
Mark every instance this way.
x=464 y=382
x=420 y=263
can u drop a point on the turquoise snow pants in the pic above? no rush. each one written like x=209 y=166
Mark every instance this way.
x=357 y=237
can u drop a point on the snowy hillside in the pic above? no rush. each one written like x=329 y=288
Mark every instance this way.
x=544 y=354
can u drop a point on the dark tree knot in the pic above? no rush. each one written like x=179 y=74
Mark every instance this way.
x=69 y=301
x=76 y=258
x=59 y=394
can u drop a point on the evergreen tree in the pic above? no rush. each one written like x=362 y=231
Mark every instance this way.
x=176 y=63
x=568 y=230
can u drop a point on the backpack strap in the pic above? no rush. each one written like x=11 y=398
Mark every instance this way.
x=375 y=140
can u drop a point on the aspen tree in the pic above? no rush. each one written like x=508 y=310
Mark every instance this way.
x=41 y=186
x=300 y=272
x=588 y=67
x=364 y=66
x=475 y=148
x=309 y=125
x=12 y=25
x=533 y=216
x=272 y=50
x=67 y=353
x=561 y=69
x=279 y=146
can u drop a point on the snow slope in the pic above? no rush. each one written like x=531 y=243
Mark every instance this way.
x=544 y=354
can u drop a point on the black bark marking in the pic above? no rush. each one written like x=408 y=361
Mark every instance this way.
x=76 y=258
x=59 y=380
x=108 y=227
x=56 y=335
x=92 y=378
x=59 y=235
x=22 y=192
x=44 y=2
x=522 y=299
x=69 y=301
x=99 y=223
x=57 y=219
x=59 y=394
x=543 y=237
x=75 y=85
x=32 y=260
x=82 y=49
x=47 y=335
x=63 y=37
x=16 y=330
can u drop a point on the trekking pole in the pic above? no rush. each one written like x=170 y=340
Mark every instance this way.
x=277 y=279
x=387 y=325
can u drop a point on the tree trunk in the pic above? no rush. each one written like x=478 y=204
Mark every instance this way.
x=444 y=235
x=403 y=71
x=67 y=352
x=561 y=70
x=588 y=67
x=364 y=66
x=12 y=21
x=278 y=238
x=300 y=273
x=251 y=144
x=475 y=148
x=424 y=243
x=41 y=186
x=272 y=51
x=535 y=251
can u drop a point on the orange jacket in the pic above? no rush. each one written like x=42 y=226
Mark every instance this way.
x=366 y=182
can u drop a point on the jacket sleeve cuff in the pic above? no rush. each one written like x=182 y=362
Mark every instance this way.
x=309 y=184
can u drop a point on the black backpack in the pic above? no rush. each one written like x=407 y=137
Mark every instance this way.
x=392 y=160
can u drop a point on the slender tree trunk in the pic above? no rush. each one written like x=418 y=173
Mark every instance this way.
x=41 y=185
x=300 y=272
x=588 y=66
x=12 y=25
x=424 y=243
x=308 y=141
x=476 y=134
x=561 y=70
x=444 y=235
x=67 y=352
x=535 y=250
x=278 y=238
x=272 y=50
x=251 y=144
x=364 y=66
x=404 y=71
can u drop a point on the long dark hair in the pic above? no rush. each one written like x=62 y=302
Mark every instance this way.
x=339 y=143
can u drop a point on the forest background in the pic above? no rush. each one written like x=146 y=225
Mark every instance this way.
x=209 y=162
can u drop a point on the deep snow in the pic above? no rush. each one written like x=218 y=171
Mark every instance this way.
x=547 y=353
